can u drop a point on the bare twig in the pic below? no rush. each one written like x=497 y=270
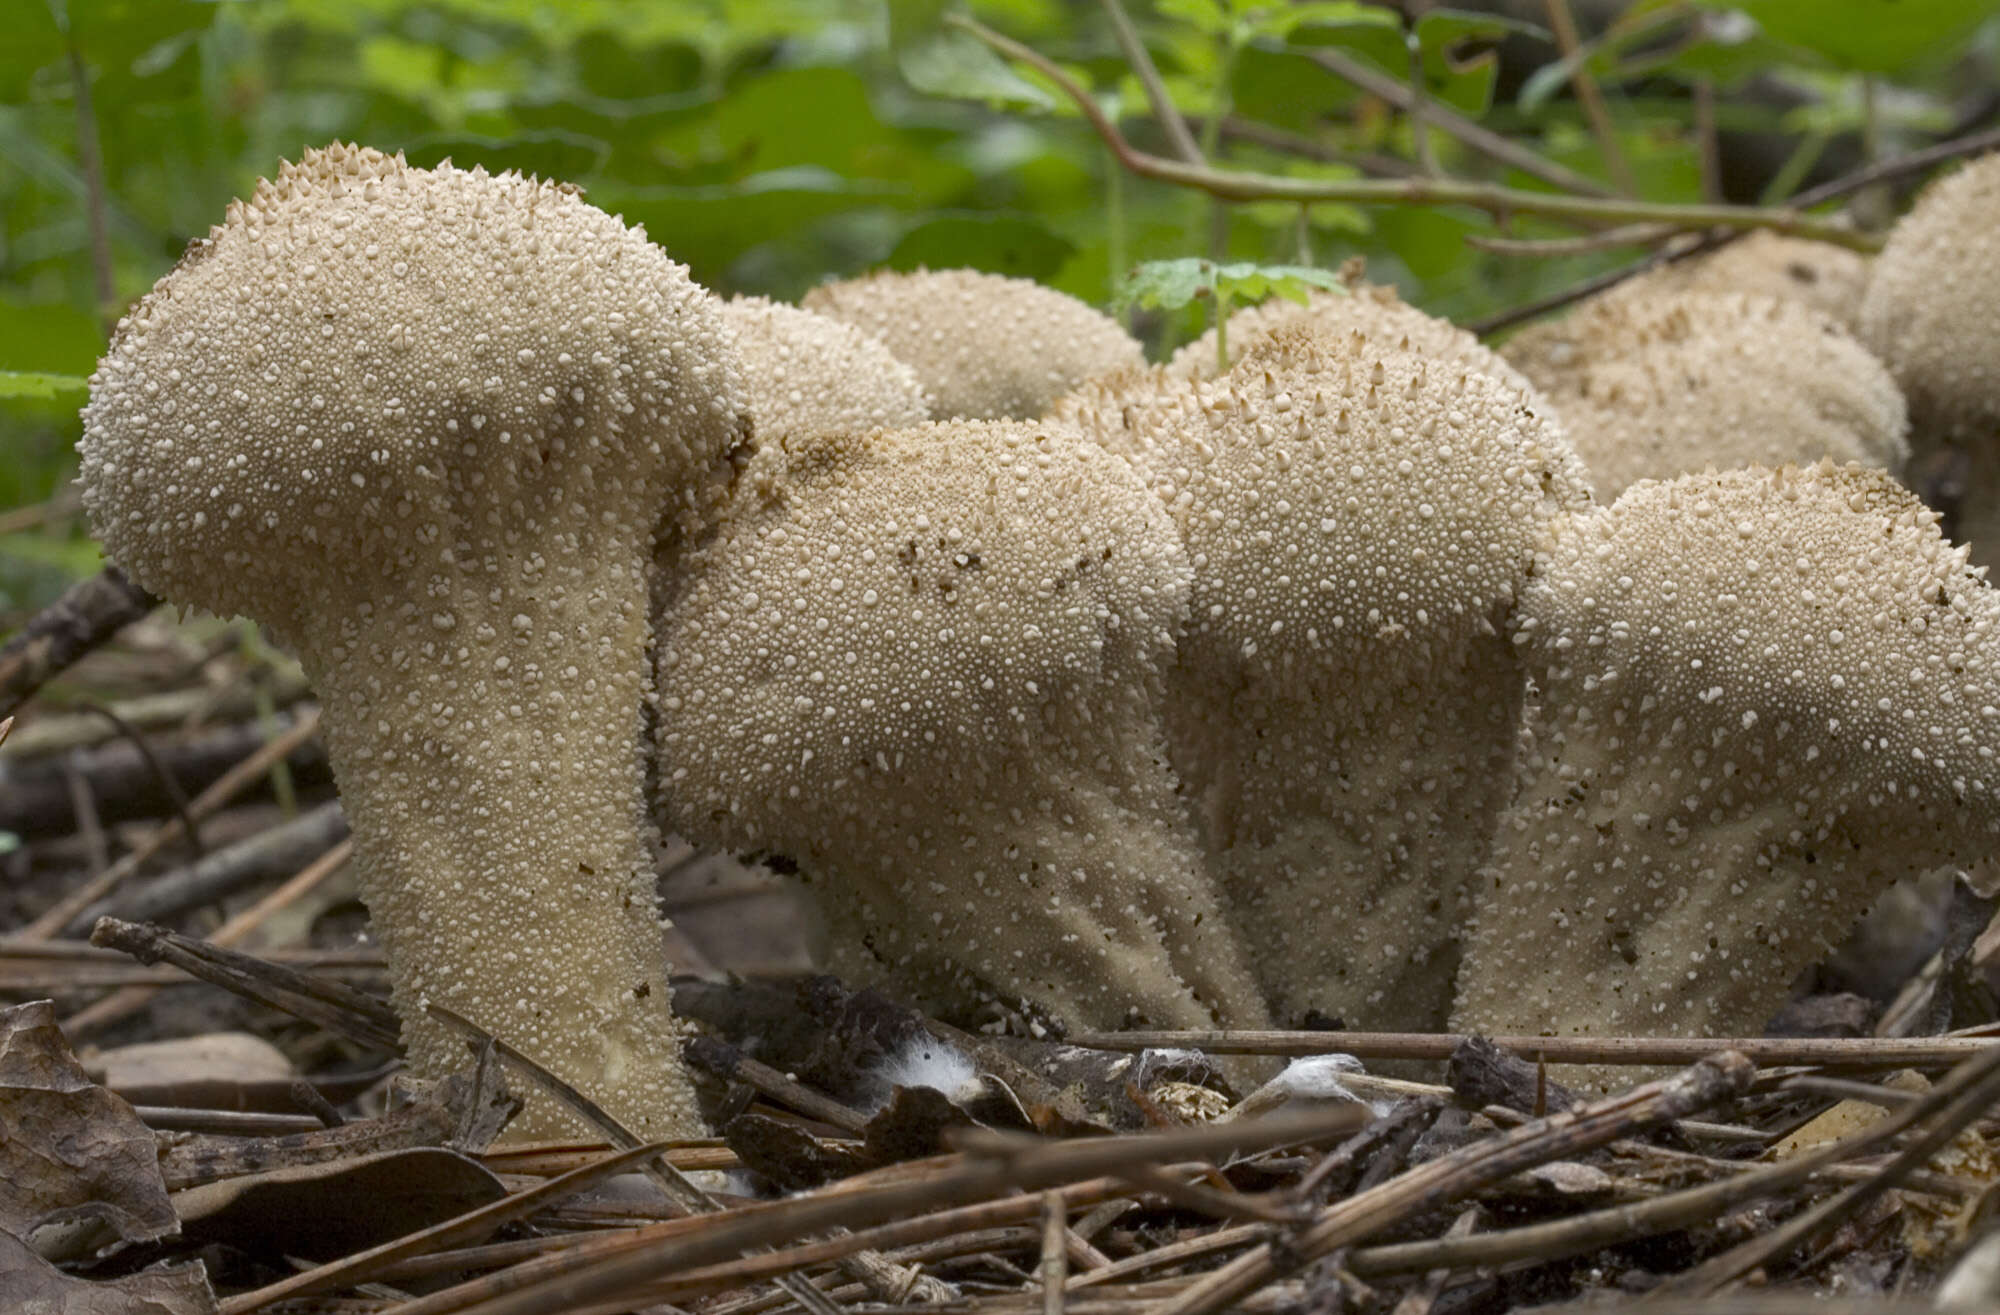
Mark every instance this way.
x=124 y=1002
x=1965 y=1095
x=1832 y=1052
x=1568 y=1237
x=1592 y=96
x=1012 y=1164
x=168 y=785
x=1707 y=140
x=1165 y=113
x=337 y=1008
x=1245 y=185
x=1628 y=235
x=726 y=1061
x=1053 y=1272
x=1447 y=120
x=90 y=159
x=226 y=788
x=1901 y=166
x=89 y=612
x=1454 y=1176
x=273 y=853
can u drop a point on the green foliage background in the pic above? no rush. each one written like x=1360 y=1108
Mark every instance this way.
x=771 y=144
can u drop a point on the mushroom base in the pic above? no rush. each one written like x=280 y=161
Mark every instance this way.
x=1075 y=903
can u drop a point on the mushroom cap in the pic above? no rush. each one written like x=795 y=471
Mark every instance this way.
x=984 y=346
x=1348 y=504
x=854 y=606
x=803 y=371
x=924 y=664
x=1764 y=696
x=328 y=379
x=1374 y=310
x=1656 y=385
x=1830 y=279
x=1929 y=313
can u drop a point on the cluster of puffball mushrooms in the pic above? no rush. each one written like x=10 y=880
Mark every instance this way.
x=1377 y=674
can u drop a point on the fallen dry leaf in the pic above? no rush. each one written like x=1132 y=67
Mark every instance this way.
x=32 y=1284
x=326 y=1211
x=71 y=1153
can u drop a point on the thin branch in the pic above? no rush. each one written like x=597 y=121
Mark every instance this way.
x=1837 y=1052
x=1587 y=91
x=1899 y=167
x=97 y=211
x=1707 y=139
x=1171 y=122
x=1236 y=128
x=1234 y=185
x=1419 y=110
x=1447 y=120
x=1630 y=235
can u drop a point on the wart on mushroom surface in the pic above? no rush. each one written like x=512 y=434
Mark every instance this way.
x=420 y=423
x=1344 y=708
x=1764 y=696
x=1657 y=385
x=925 y=665
x=985 y=347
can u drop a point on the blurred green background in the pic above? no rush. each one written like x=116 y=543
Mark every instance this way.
x=771 y=144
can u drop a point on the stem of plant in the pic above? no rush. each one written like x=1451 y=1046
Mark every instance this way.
x=90 y=160
x=1245 y=185
x=1220 y=299
x=1114 y=222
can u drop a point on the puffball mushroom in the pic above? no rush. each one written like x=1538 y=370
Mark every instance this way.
x=1652 y=386
x=1370 y=309
x=421 y=422
x=1930 y=315
x=984 y=346
x=1830 y=279
x=1764 y=697
x=924 y=665
x=804 y=371
x=1344 y=707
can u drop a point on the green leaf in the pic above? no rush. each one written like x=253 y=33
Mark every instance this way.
x=1206 y=16
x=951 y=63
x=1282 y=22
x=1172 y=284
x=18 y=383
x=1869 y=36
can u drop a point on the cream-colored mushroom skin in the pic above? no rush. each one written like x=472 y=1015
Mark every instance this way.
x=1344 y=705
x=803 y=371
x=924 y=665
x=421 y=423
x=984 y=346
x=1373 y=310
x=1827 y=278
x=1654 y=385
x=1930 y=315
x=1764 y=696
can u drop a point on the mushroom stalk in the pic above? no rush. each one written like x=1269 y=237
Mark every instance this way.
x=493 y=792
